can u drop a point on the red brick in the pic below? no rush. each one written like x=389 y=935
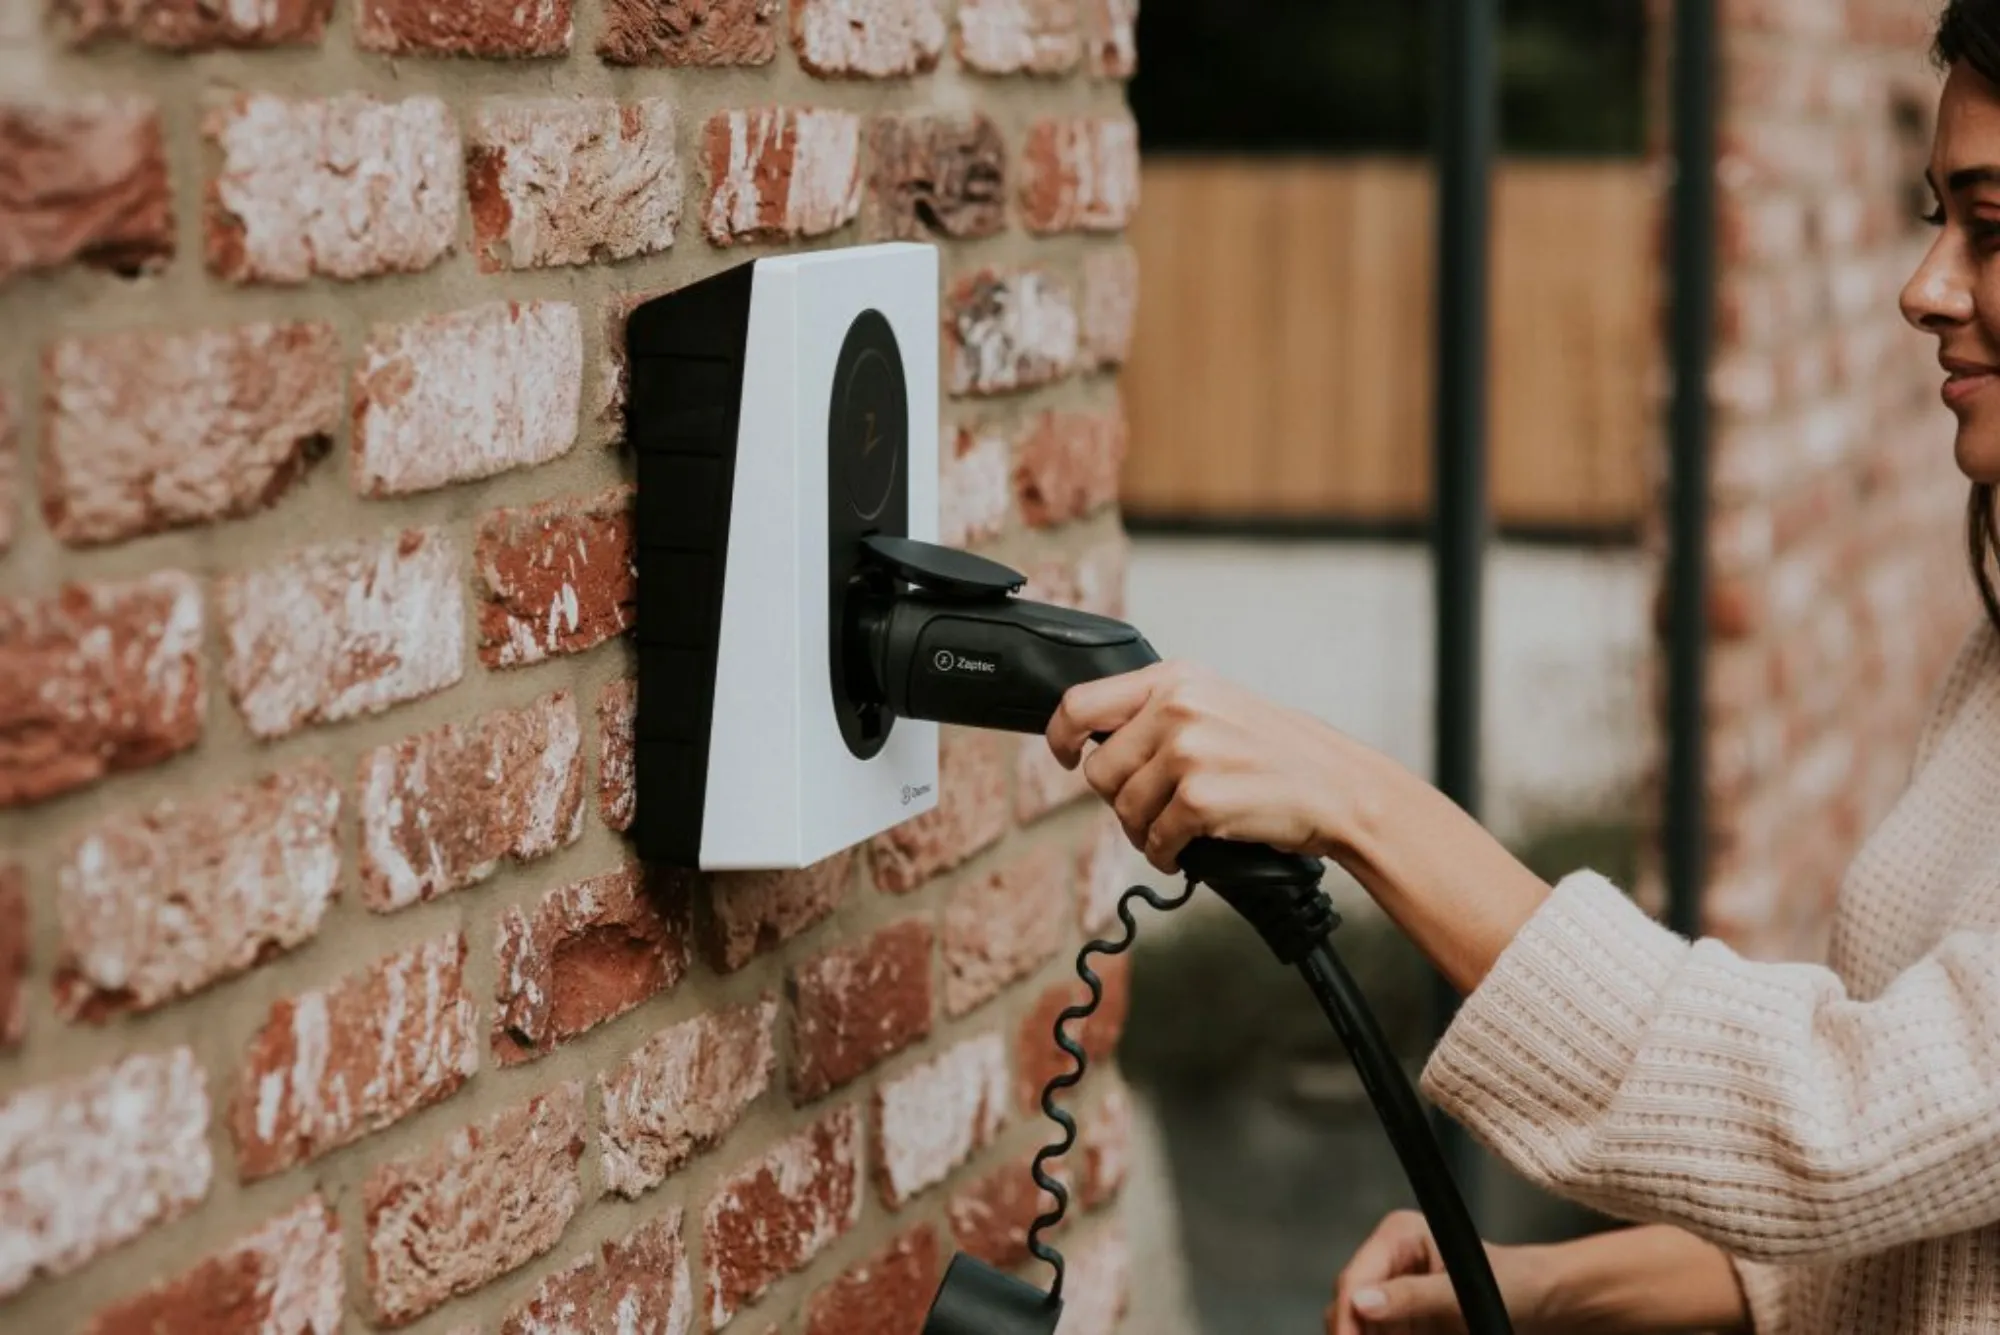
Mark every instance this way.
x=934 y=1117
x=558 y=181
x=332 y=1065
x=439 y=810
x=1038 y=1060
x=92 y=1162
x=1080 y=175
x=1106 y=1147
x=690 y=32
x=1761 y=231
x=682 y=1091
x=1019 y=36
x=342 y=630
x=1041 y=784
x=636 y=1285
x=87 y=182
x=192 y=25
x=874 y=39
x=1009 y=331
x=556 y=578
x=13 y=955
x=1105 y=868
x=152 y=430
x=1735 y=609
x=1055 y=580
x=1788 y=79
x=855 y=1006
x=1800 y=18
x=1067 y=465
x=1757 y=154
x=483 y=1201
x=780 y=174
x=1746 y=386
x=1003 y=926
x=1110 y=305
x=584 y=954
x=479 y=28
x=753 y=912
x=617 y=716
x=935 y=175
x=990 y=1218
x=1092 y=582
x=613 y=373
x=96 y=680
x=284 y=1276
x=160 y=903
x=1100 y=576
x=1098 y=1292
x=971 y=814
x=1112 y=44
x=10 y=474
x=450 y=398
x=975 y=489
x=774 y=1216
x=349 y=186
x=1741 y=677
x=890 y=1293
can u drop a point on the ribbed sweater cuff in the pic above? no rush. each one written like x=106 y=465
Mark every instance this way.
x=1538 y=1050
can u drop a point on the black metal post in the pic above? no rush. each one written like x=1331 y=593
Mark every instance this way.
x=1467 y=109
x=1692 y=335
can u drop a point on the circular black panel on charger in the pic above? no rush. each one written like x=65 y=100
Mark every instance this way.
x=871 y=414
x=868 y=493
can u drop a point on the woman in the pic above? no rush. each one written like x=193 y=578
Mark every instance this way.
x=1805 y=1149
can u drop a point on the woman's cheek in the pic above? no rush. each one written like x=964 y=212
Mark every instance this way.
x=1978 y=443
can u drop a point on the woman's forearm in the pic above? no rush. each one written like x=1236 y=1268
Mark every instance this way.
x=1653 y=1280
x=1450 y=886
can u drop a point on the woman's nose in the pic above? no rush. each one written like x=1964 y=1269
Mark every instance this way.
x=1939 y=294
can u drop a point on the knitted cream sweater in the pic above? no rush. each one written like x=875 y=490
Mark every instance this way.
x=1837 y=1129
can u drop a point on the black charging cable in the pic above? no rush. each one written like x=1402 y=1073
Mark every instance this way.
x=1297 y=920
x=957 y=646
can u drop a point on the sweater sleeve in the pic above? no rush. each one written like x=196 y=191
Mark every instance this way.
x=1766 y=1291
x=1756 y=1105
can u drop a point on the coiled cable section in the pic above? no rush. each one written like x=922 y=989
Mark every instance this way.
x=1069 y=1079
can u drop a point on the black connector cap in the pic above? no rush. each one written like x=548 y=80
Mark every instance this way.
x=976 y=1299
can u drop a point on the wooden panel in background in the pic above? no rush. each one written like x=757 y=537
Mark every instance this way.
x=1282 y=362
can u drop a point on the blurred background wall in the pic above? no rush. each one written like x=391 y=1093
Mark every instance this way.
x=1278 y=477
x=1840 y=580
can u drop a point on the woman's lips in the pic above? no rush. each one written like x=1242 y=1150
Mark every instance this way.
x=1965 y=382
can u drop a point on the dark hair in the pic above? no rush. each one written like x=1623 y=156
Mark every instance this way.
x=1969 y=30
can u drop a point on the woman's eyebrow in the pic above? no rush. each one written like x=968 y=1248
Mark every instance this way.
x=1967 y=177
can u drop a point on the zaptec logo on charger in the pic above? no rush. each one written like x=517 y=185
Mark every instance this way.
x=781 y=412
x=947 y=660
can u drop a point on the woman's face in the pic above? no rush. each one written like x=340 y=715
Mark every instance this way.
x=1955 y=293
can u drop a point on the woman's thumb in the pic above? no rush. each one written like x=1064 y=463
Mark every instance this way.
x=1411 y=1298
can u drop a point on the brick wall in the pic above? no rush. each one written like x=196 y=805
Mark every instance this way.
x=1840 y=584
x=331 y=997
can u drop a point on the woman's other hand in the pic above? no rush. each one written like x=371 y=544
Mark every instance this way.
x=1397 y=1282
x=1191 y=754
x=1648 y=1280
